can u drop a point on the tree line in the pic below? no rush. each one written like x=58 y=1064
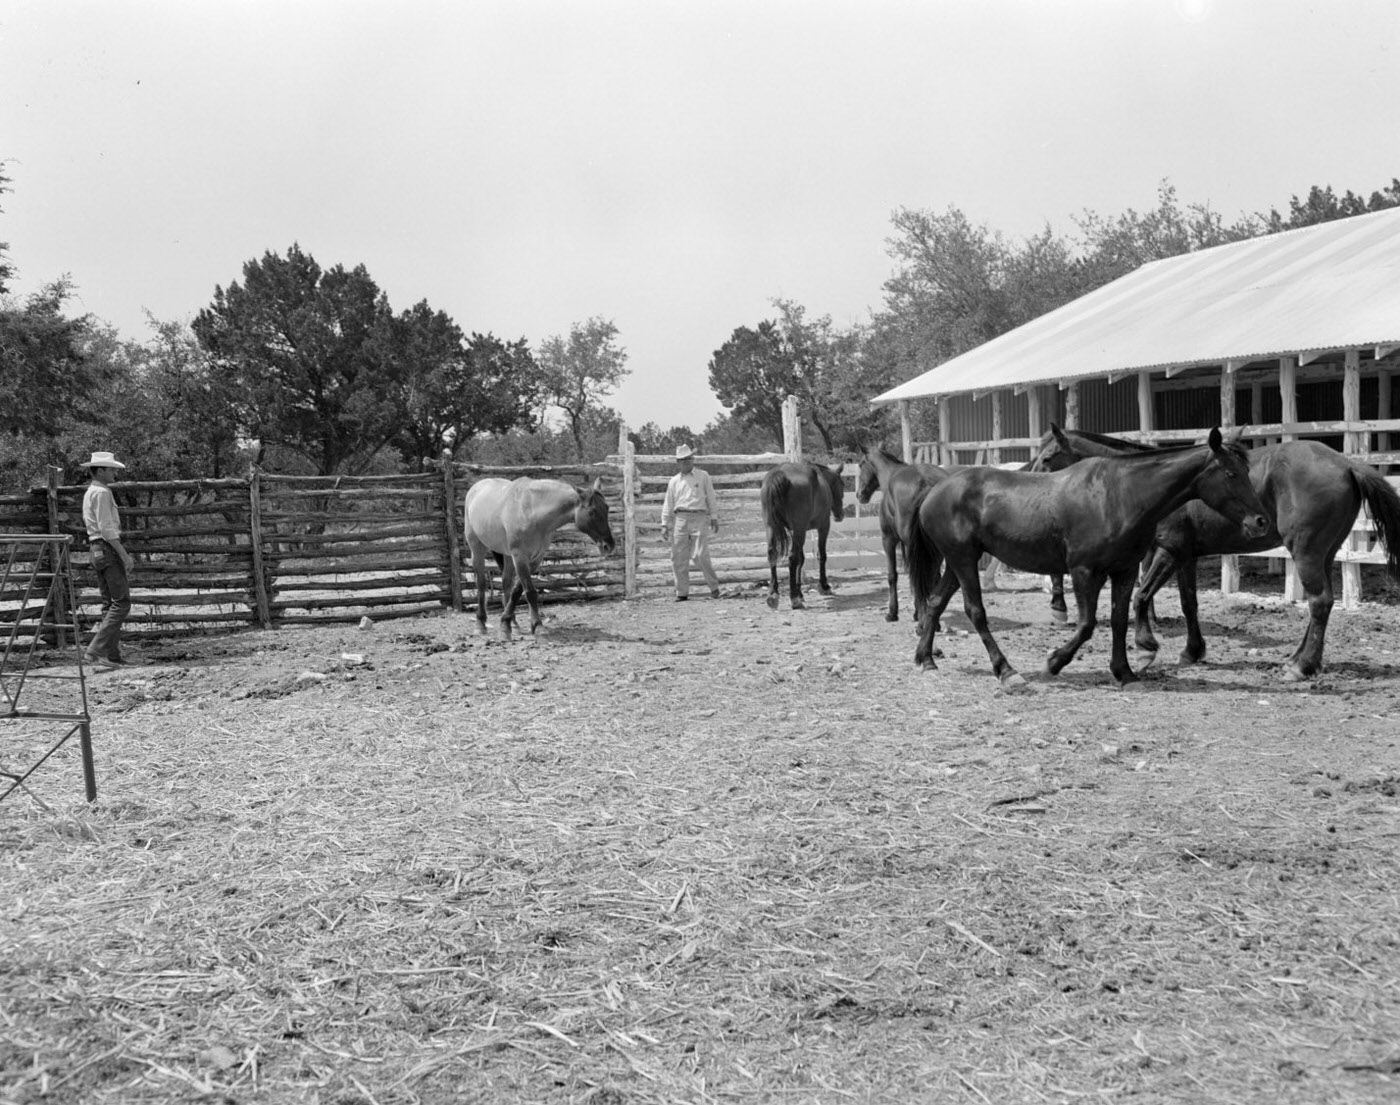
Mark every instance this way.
x=309 y=370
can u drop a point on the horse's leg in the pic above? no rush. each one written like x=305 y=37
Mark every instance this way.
x=479 y=571
x=989 y=573
x=1058 y=611
x=930 y=619
x=510 y=595
x=1121 y=597
x=822 y=585
x=773 y=536
x=971 y=582
x=891 y=543
x=526 y=584
x=1087 y=585
x=1315 y=574
x=1194 y=651
x=796 y=558
x=1163 y=565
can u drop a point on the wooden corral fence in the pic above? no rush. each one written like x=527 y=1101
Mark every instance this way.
x=270 y=550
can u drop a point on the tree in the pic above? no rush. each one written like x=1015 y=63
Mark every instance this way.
x=578 y=371
x=310 y=358
x=1322 y=205
x=7 y=270
x=751 y=373
x=450 y=390
x=46 y=380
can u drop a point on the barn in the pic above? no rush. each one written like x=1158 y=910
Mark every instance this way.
x=1295 y=334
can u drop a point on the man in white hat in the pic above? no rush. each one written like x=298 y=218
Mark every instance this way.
x=689 y=514
x=110 y=561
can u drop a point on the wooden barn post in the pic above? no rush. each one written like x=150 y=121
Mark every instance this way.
x=1288 y=415
x=945 y=431
x=1071 y=391
x=1383 y=411
x=454 y=544
x=1352 y=443
x=995 y=454
x=792 y=429
x=261 y=604
x=1146 y=420
x=1229 y=565
x=631 y=554
x=1035 y=415
x=906 y=432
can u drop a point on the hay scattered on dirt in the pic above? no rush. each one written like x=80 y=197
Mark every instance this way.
x=709 y=853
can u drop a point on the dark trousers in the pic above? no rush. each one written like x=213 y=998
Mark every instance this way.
x=116 y=602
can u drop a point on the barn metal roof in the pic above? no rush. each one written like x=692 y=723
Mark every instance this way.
x=1320 y=288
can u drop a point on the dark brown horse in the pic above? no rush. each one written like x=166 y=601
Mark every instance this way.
x=1092 y=521
x=514 y=521
x=797 y=497
x=1312 y=494
x=903 y=485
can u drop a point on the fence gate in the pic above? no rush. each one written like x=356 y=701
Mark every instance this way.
x=38 y=600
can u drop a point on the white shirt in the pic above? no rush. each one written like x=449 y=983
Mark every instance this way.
x=691 y=492
x=100 y=514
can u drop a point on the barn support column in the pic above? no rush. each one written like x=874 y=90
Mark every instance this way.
x=1035 y=414
x=1071 y=405
x=1288 y=392
x=906 y=432
x=945 y=430
x=995 y=456
x=1352 y=443
x=1229 y=565
x=631 y=552
x=1383 y=379
x=1144 y=397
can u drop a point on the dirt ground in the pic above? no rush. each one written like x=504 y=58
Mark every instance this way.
x=707 y=852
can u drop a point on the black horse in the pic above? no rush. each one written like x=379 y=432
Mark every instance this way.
x=903 y=485
x=797 y=497
x=1311 y=493
x=1092 y=521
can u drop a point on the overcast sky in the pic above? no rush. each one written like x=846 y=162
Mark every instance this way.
x=673 y=167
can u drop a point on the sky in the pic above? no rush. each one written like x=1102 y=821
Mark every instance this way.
x=674 y=167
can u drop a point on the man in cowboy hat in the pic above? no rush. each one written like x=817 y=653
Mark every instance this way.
x=689 y=514
x=110 y=561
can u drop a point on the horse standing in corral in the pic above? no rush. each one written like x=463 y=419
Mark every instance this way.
x=797 y=497
x=1092 y=521
x=514 y=521
x=902 y=484
x=1312 y=494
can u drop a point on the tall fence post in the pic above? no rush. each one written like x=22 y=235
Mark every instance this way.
x=632 y=553
x=792 y=429
x=454 y=545
x=60 y=595
x=260 y=598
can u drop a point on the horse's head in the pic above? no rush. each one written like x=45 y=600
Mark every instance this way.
x=591 y=517
x=1224 y=485
x=867 y=479
x=837 y=483
x=1057 y=451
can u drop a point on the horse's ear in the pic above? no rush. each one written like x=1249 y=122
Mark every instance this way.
x=1215 y=441
x=1060 y=438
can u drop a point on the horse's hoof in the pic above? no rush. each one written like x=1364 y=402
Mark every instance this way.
x=1186 y=660
x=797 y=604
x=1060 y=617
x=1129 y=684
x=891 y=617
x=772 y=601
x=928 y=665
x=1013 y=681
x=1149 y=658
x=1293 y=675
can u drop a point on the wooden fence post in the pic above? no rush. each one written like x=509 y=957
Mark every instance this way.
x=454 y=546
x=631 y=551
x=792 y=429
x=260 y=599
x=61 y=615
x=906 y=433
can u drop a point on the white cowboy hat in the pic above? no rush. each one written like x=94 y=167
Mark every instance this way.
x=683 y=451
x=104 y=460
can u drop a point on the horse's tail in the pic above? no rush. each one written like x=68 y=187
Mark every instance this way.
x=922 y=559
x=773 y=495
x=1384 y=505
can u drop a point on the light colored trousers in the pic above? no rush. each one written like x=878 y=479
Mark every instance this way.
x=690 y=540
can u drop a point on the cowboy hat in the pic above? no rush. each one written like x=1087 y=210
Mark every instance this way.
x=683 y=451
x=104 y=460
